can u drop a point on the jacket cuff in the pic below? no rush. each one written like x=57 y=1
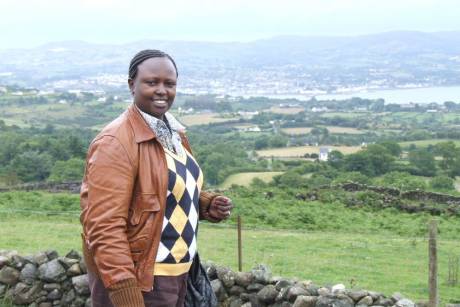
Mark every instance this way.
x=126 y=293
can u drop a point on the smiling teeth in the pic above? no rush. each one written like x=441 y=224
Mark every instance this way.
x=160 y=101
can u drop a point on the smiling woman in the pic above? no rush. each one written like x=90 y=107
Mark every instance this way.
x=142 y=197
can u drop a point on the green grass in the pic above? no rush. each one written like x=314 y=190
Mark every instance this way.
x=245 y=179
x=425 y=143
x=373 y=261
x=326 y=242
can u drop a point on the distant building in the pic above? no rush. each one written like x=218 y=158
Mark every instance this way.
x=322 y=109
x=324 y=153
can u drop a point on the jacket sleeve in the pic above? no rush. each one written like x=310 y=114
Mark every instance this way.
x=110 y=178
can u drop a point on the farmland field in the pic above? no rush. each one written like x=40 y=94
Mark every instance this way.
x=279 y=110
x=425 y=143
x=296 y=130
x=377 y=262
x=300 y=151
x=331 y=129
x=245 y=179
x=203 y=119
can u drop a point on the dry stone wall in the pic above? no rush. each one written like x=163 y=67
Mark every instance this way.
x=47 y=279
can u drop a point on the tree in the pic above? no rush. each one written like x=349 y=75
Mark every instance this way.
x=32 y=166
x=423 y=161
x=69 y=170
x=393 y=148
x=442 y=183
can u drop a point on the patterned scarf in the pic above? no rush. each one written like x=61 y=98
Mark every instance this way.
x=166 y=131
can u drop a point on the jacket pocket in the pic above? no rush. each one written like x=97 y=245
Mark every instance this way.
x=143 y=206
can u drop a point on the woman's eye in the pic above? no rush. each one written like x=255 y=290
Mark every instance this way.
x=151 y=82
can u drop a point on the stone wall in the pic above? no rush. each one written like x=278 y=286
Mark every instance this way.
x=46 y=279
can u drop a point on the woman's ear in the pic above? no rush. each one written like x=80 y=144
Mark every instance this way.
x=131 y=85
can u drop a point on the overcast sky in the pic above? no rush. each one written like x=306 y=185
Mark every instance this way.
x=29 y=23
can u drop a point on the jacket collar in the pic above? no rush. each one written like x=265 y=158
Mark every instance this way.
x=142 y=131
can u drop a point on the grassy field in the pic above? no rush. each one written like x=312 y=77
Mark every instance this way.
x=381 y=263
x=343 y=114
x=245 y=179
x=300 y=151
x=331 y=129
x=425 y=143
x=203 y=119
x=279 y=110
x=457 y=183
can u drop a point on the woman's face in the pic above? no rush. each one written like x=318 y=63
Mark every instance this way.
x=154 y=87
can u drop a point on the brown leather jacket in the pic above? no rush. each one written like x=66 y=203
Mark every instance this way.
x=123 y=198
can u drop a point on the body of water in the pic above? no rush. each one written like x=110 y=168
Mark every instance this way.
x=400 y=96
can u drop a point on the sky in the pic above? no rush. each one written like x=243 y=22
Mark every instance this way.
x=30 y=23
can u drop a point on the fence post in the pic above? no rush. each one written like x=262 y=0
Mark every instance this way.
x=433 y=264
x=240 y=257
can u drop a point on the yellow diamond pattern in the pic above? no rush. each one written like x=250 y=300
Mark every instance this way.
x=179 y=249
x=179 y=188
x=178 y=219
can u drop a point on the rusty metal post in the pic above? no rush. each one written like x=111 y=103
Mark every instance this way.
x=240 y=254
x=433 y=264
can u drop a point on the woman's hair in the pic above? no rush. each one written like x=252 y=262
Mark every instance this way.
x=143 y=55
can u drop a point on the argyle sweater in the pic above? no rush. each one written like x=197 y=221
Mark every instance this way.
x=178 y=243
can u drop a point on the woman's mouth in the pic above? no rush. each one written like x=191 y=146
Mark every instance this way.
x=160 y=103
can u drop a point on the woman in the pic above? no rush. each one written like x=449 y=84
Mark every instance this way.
x=141 y=196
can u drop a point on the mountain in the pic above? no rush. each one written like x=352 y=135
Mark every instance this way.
x=391 y=59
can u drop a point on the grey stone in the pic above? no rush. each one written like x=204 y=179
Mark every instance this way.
x=78 y=302
x=83 y=268
x=236 y=290
x=313 y=289
x=283 y=283
x=88 y=302
x=236 y=303
x=367 y=300
x=375 y=295
x=305 y=301
x=244 y=297
x=243 y=279
x=40 y=258
x=281 y=304
x=57 y=303
x=4 y=261
x=9 y=275
x=339 y=288
x=226 y=276
x=323 y=291
x=73 y=254
x=18 y=262
x=295 y=291
x=262 y=274
x=397 y=296
x=384 y=302
x=45 y=304
x=256 y=287
x=51 y=271
x=51 y=254
x=51 y=287
x=405 y=303
x=218 y=288
x=25 y=294
x=74 y=270
x=342 y=301
x=33 y=305
x=267 y=294
x=81 y=284
x=67 y=298
x=28 y=273
x=54 y=295
x=210 y=269
x=2 y=290
x=356 y=295
x=247 y=304
x=67 y=262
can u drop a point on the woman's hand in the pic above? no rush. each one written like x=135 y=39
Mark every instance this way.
x=220 y=208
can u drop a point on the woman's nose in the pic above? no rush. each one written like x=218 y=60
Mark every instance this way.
x=160 y=89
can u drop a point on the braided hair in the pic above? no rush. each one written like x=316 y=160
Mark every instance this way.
x=143 y=55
